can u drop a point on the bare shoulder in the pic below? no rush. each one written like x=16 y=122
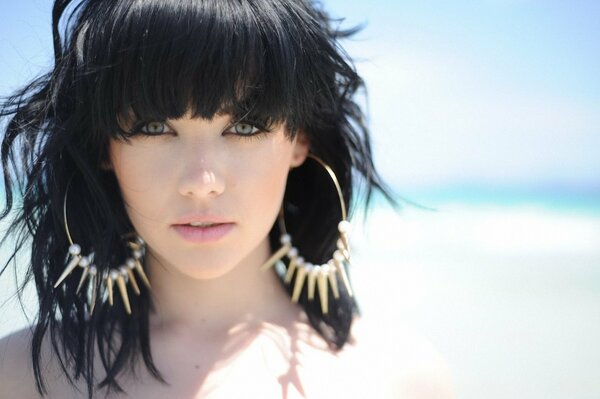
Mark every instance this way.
x=16 y=370
x=406 y=360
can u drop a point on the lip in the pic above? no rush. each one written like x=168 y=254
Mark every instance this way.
x=200 y=235
x=197 y=218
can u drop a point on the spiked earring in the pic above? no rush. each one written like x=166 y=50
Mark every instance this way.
x=118 y=277
x=321 y=277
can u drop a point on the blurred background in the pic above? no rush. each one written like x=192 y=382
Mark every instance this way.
x=486 y=120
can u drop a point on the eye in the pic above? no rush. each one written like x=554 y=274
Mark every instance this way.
x=154 y=128
x=245 y=129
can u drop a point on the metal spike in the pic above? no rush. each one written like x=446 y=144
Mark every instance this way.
x=322 y=281
x=276 y=256
x=312 y=279
x=300 y=276
x=344 y=238
x=333 y=280
x=82 y=279
x=92 y=284
x=123 y=291
x=290 y=270
x=70 y=267
x=109 y=287
x=140 y=271
x=134 y=245
x=346 y=254
x=134 y=284
x=342 y=272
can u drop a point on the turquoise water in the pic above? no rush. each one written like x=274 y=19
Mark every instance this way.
x=569 y=200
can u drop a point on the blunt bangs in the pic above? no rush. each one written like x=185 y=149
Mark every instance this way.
x=159 y=59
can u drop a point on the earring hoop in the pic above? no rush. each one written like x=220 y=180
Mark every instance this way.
x=324 y=276
x=119 y=276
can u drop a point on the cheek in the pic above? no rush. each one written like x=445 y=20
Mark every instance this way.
x=140 y=174
x=264 y=172
x=256 y=189
x=138 y=168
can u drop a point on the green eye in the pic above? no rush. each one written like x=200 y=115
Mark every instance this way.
x=245 y=129
x=154 y=128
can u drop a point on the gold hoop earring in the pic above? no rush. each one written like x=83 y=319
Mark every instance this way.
x=120 y=276
x=324 y=276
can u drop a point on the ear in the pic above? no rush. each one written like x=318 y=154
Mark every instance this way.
x=105 y=158
x=300 y=152
x=106 y=166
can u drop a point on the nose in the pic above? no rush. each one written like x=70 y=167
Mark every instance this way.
x=200 y=180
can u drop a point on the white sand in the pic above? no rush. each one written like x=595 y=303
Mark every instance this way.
x=509 y=295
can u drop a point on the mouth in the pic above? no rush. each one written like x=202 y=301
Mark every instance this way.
x=202 y=232
x=201 y=224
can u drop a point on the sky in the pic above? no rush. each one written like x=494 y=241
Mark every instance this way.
x=492 y=94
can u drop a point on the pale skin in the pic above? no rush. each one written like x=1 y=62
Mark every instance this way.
x=222 y=328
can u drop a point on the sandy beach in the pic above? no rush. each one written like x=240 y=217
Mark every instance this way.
x=508 y=294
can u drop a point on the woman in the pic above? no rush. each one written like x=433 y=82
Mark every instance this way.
x=175 y=149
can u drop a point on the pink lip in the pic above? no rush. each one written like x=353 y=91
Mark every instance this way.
x=199 y=235
x=198 y=218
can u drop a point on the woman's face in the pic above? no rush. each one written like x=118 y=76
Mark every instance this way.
x=197 y=171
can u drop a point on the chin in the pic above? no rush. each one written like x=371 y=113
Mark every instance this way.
x=204 y=271
x=209 y=274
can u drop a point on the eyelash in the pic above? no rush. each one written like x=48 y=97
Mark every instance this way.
x=137 y=130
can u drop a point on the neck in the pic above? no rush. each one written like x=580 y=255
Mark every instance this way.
x=242 y=296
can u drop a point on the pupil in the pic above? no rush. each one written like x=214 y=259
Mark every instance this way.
x=243 y=128
x=155 y=127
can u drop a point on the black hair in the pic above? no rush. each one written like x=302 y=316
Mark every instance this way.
x=276 y=60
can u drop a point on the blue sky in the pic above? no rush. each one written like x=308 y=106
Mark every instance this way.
x=488 y=93
x=491 y=93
